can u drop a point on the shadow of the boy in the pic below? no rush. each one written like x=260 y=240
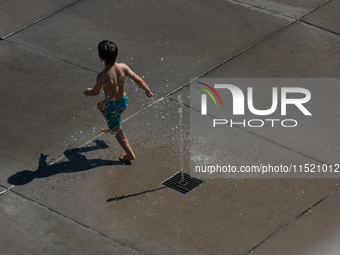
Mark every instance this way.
x=76 y=163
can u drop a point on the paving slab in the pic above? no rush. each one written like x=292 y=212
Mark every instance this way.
x=165 y=43
x=15 y=15
x=299 y=51
x=289 y=8
x=43 y=110
x=284 y=55
x=316 y=232
x=326 y=17
x=29 y=228
x=129 y=203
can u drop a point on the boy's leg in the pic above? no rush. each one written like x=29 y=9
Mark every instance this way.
x=123 y=141
x=100 y=106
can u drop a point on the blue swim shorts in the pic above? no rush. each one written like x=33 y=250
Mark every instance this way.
x=113 y=111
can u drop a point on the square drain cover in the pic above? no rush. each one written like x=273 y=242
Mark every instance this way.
x=188 y=184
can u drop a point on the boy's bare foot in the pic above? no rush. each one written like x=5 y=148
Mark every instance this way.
x=105 y=130
x=125 y=158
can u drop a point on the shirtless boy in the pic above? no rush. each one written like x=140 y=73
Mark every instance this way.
x=111 y=79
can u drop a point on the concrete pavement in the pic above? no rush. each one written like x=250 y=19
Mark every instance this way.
x=62 y=188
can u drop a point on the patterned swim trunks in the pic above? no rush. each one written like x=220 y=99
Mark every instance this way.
x=113 y=110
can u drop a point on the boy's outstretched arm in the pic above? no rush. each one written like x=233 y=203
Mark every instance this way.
x=139 y=81
x=96 y=89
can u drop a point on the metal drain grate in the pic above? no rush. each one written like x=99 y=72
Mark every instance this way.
x=188 y=184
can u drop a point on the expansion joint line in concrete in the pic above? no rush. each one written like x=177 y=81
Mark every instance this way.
x=54 y=58
x=291 y=222
x=39 y=20
x=279 y=13
x=77 y=222
x=313 y=25
x=322 y=28
x=261 y=8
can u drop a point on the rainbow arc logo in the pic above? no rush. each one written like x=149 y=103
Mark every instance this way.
x=204 y=97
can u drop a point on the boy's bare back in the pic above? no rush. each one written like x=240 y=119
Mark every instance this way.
x=112 y=81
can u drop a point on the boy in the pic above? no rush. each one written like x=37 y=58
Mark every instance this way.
x=111 y=79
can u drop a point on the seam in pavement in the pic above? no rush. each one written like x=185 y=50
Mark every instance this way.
x=41 y=19
x=77 y=222
x=282 y=14
x=316 y=26
x=49 y=56
x=262 y=8
x=291 y=222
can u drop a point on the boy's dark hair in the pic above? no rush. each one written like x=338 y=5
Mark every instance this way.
x=108 y=51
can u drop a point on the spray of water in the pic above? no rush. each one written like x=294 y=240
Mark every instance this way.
x=180 y=111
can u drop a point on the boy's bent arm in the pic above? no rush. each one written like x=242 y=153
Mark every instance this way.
x=139 y=81
x=96 y=89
